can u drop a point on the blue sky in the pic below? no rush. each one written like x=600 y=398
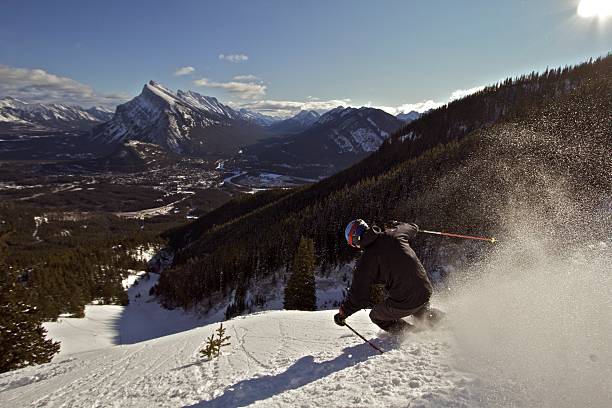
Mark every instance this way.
x=282 y=55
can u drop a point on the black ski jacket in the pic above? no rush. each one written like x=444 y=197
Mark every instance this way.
x=388 y=259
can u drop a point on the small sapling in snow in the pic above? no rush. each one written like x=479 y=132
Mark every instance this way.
x=214 y=343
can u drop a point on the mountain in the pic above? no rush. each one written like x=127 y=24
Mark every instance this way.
x=408 y=116
x=340 y=137
x=184 y=123
x=14 y=112
x=295 y=124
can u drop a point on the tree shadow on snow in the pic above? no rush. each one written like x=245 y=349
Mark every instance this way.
x=144 y=319
x=302 y=372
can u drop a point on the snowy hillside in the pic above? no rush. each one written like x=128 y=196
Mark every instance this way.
x=208 y=103
x=278 y=358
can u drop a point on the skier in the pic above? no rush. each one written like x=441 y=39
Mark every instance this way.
x=387 y=259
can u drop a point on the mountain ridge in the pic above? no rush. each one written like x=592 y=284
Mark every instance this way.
x=50 y=116
x=339 y=137
x=295 y=124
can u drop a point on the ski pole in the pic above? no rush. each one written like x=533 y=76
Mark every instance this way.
x=446 y=234
x=363 y=338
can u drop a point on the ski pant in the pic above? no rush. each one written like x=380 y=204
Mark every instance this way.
x=386 y=316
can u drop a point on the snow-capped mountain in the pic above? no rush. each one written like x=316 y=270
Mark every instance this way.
x=50 y=116
x=296 y=124
x=183 y=122
x=356 y=130
x=340 y=137
x=408 y=117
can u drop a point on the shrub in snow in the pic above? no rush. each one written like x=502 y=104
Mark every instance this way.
x=214 y=343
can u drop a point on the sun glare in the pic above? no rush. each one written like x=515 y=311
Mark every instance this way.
x=595 y=8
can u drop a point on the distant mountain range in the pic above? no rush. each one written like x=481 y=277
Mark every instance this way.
x=15 y=113
x=339 y=137
x=188 y=123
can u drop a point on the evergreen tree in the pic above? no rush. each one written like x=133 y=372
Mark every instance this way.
x=300 y=289
x=22 y=337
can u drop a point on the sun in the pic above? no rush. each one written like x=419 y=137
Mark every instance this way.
x=595 y=8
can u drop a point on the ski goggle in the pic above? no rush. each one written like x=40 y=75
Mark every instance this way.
x=353 y=235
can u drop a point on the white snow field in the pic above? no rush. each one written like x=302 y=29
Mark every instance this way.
x=278 y=358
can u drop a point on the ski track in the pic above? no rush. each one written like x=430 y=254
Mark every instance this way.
x=277 y=358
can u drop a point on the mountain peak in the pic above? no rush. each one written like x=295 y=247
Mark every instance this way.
x=408 y=116
x=295 y=124
x=303 y=114
x=162 y=93
x=334 y=114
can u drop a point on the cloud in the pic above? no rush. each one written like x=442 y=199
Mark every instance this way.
x=39 y=86
x=184 y=71
x=461 y=93
x=235 y=58
x=429 y=104
x=246 y=78
x=420 y=107
x=243 y=90
x=290 y=108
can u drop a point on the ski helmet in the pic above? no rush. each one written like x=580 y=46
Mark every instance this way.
x=353 y=232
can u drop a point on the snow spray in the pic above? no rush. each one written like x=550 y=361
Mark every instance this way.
x=532 y=317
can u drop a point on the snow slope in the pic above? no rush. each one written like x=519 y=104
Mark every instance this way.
x=526 y=327
x=111 y=325
x=143 y=355
x=279 y=358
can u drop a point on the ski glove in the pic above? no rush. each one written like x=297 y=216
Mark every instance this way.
x=339 y=319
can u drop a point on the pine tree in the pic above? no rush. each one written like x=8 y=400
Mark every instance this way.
x=213 y=345
x=22 y=337
x=300 y=289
